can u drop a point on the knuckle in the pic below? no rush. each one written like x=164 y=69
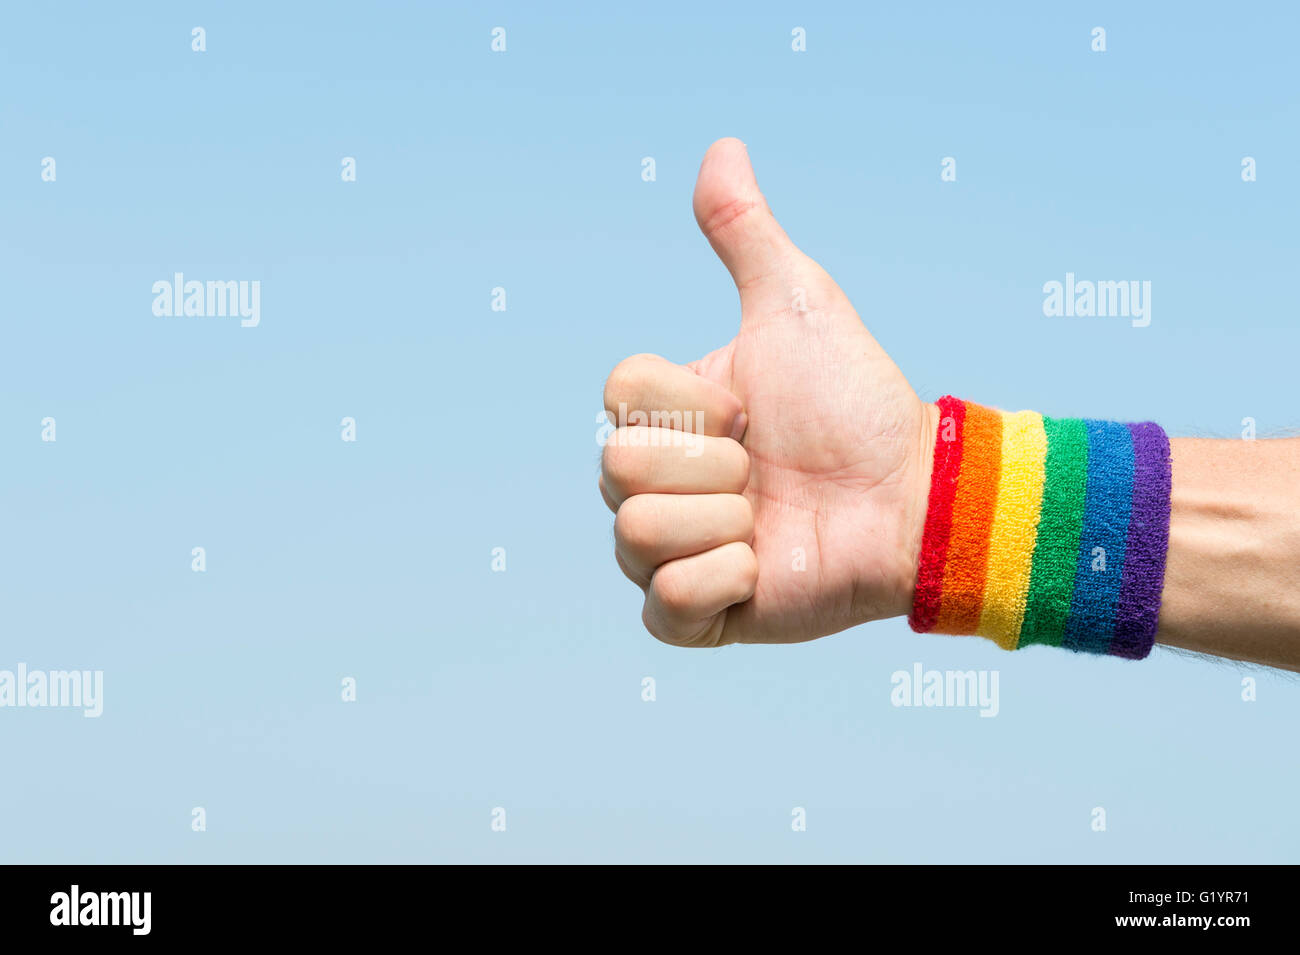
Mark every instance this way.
x=615 y=461
x=728 y=214
x=628 y=571
x=673 y=591
x=627 y=463
x=653 y=626
x=662 y=631
x=626 y=380
x=636 y=524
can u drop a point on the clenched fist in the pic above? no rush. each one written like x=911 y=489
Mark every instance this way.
x=791 y=503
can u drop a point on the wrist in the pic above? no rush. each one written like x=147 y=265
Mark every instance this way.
x=917 y=505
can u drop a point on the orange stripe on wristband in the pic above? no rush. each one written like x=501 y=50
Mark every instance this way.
x=972 y=521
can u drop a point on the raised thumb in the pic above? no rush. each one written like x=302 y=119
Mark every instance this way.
x=735 y=219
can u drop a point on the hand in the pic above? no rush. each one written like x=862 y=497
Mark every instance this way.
x=812 y=522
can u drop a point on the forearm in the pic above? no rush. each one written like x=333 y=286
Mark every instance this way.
x=1231 y=585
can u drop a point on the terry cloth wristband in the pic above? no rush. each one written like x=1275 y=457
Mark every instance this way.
x=1044 y=530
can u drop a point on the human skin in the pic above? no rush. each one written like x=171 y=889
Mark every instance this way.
x=797 y=509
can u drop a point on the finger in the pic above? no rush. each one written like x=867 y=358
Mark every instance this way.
x=662 y=461
x=685 y=601
x=649 y=390
x=652 y=529
x=638 y=578
x=609 y=501
x=735 y=219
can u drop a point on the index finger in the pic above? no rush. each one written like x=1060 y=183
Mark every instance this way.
x=649 y=391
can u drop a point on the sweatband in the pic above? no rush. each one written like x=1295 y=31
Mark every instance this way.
x=1044 y=530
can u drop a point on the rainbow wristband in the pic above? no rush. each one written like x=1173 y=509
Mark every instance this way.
x=1044 y=530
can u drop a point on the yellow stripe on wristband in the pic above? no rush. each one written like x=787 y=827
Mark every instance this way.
x=1015 y=528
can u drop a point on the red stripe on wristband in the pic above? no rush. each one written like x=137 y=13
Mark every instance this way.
x=938 y=519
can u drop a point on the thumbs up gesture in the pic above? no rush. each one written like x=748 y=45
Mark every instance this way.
x=792 y=502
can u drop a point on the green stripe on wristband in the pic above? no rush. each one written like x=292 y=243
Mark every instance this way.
x=1051 y=586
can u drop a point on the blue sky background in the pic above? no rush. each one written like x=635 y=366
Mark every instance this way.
x=476 y=429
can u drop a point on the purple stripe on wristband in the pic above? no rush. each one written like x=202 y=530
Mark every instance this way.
x=1138 y=612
